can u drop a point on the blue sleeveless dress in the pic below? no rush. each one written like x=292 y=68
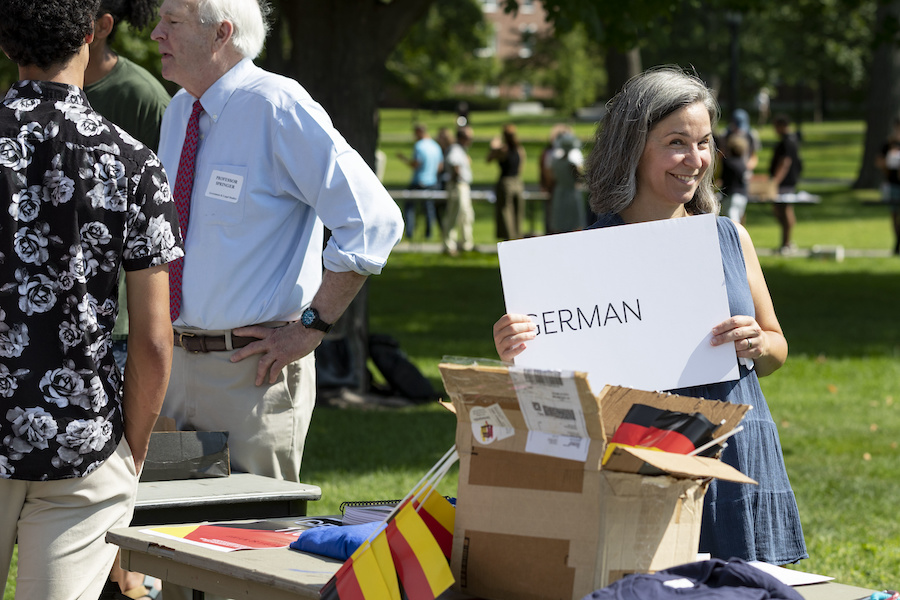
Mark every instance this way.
x=739 y=520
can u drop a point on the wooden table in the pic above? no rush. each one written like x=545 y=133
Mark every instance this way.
x=280 y=574
x=284 y=574
x=238 y=496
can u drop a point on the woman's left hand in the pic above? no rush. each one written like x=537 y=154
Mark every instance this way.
x=748 y=337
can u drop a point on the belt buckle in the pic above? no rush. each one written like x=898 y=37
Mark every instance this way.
x=181 y=339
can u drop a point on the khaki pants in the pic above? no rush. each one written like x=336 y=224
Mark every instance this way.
x=266 y=425
x=61 y=527
x=460 y=217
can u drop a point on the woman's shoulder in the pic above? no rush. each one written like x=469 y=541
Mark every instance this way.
x=607 y=220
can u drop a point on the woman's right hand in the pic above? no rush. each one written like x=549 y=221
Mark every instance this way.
x=511 y=332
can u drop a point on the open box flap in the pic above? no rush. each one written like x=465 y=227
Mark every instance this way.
x=644 y=461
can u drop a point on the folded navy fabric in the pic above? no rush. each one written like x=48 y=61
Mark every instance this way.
x=705 y=580
x=335 y=542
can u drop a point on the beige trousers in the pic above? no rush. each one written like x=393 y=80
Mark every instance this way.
x=459 y=218
x=61 y=527
x=266 y=425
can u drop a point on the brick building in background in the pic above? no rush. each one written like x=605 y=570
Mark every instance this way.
x=514 y=37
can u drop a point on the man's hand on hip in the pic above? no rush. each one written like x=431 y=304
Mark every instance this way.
x=278 y=347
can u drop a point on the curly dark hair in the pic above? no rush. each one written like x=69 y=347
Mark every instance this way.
x=47 y=32
x=137 y=13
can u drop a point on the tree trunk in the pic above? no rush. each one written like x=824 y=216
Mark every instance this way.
x=337 y=50
x=620 y=67
x=883 y=98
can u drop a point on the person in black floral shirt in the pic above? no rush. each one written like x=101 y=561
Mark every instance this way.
x=83 y=200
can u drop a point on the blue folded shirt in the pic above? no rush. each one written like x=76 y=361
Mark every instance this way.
x=336 y=542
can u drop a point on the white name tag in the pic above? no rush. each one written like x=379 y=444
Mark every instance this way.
x=225 y=186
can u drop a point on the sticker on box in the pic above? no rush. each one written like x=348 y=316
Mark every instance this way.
x=549 y=401
x=559 y=446
x=489 y=424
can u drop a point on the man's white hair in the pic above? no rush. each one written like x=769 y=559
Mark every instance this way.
x=249 y=17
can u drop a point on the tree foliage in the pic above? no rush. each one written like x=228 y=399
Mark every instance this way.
x=439 y=51
x=569 y=63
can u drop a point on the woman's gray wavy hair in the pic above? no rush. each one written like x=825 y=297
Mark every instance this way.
x=644 y=101
x=249 y=17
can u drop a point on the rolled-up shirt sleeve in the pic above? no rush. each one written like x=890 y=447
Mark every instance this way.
x=343 y=190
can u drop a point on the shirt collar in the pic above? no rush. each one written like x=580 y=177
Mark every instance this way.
x=48 y=91
x=216 y=97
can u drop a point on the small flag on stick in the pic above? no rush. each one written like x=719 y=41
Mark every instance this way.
x=367 y=575
x=420 y=563
x=414 y=544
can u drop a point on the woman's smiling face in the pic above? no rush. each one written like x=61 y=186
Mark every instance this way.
x=677 y=155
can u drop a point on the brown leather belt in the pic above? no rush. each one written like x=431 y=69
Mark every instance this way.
x=210 y=343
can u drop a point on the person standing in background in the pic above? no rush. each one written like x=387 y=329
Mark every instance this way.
x=889 y=163
x=460 y=214
x=510 y=207
x=129 y=96
x=426 y=162
x=83 y=200
x=545 y=176
x=119 y=89
x=567 y=205
x=734 y=181
x=784 y=172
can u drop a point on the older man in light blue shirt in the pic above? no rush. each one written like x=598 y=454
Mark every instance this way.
x=270 y=171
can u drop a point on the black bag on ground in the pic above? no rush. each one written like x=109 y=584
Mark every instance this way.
x=400 y=373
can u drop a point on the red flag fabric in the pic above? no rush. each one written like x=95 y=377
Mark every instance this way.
x=666 y=430
x=439 y=516
x=420 y=563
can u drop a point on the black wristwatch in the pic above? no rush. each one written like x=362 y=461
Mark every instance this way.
x=310 y=319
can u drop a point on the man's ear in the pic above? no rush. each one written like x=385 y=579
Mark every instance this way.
x=224 y=31
x=103 y=26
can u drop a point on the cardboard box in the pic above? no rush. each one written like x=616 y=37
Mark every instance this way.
x=538 y=515
x=185 y=454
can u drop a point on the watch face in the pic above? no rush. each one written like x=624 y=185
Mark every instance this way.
x=308 y=317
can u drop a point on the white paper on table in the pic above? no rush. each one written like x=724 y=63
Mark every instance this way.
x=789 y=576
x=632 y=305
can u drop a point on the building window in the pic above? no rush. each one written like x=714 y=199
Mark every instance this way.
x=491 y=49
x=489 y=6
x=526 y=6
x=528 y=38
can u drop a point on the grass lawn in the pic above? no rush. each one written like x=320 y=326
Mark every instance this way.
x=837 y=400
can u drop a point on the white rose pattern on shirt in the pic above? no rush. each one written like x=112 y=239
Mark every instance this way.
x=84 y=199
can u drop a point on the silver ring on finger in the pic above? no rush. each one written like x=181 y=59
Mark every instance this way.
x=749 y=344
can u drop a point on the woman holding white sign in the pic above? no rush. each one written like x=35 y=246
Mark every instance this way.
x=651 y=161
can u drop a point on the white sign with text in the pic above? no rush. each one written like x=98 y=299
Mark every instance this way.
x=632 y=305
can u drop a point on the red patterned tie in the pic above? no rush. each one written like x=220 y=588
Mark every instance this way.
x=184 y=184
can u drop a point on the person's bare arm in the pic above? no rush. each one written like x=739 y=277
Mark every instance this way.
x=284 y=345
x=149 y=355
x=782 y=169
x=759 y=338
